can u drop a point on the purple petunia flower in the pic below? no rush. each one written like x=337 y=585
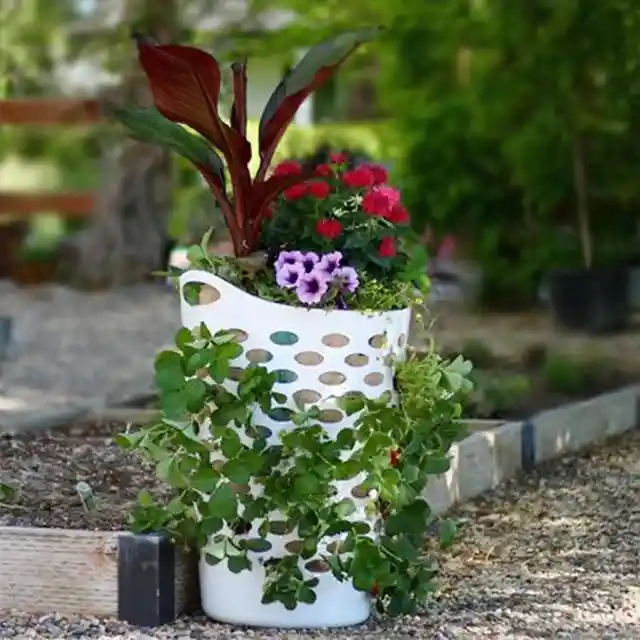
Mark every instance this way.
x=347 y=277
x=287 y=257
x=330 y=262
x=288 y=276
x=309 y=261
x=311 y=287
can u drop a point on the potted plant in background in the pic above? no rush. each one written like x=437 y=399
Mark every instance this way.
x=297 y=435
x=595 y=297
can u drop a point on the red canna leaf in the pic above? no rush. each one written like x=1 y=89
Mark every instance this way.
x=185 y=83
x=149 y=125
x=239 y=107
x=313 y=71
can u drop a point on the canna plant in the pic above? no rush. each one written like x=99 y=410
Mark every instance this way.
x=185 y=84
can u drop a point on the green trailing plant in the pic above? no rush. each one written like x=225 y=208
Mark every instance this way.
x=497 y=394
x=186 y=82
x=564 y=374
x=235 y=485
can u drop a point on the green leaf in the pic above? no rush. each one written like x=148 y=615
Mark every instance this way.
x=211 y=525
x=346 y=439
x=149 y=125
x=169 y=374
x=129 y=440
x=195 y=390
x=215 y=551
x=223 y=503
x=305 y=485
x=435 y=465
x=448 y=532
x=230 y=444
x=259 y=545
x=183 y=338
x=239 y=563
x=345 y=508
x=313 y=70
x=236 y=471
x=348 y=469
x=145 y=499
x=306 y=595
x=352 y=403
x=174 y=404
x=289 y=601
x=205 y=479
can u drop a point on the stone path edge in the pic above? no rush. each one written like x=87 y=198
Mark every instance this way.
x=487 y=458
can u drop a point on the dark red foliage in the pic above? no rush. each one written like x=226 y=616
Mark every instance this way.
x=185 y=84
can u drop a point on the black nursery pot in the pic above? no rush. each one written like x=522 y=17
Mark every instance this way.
x=594 y=300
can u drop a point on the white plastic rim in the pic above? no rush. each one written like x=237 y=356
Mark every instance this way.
x=318 y=355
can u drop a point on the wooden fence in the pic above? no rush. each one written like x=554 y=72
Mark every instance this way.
x=48 y=112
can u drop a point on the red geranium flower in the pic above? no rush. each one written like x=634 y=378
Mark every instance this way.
x=287 y=168
x=399 y=214
x=324 y=170
x=338 y=158
x=296 y=192
x=387 y=248
x=380 y=174
x=328 y=228
x=358 y=178
x=380 y=201
x=319 y=189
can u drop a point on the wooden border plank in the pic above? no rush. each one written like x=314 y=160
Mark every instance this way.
x=46 y=570
x=92 y=573
x=50 y=111
x=71 y=205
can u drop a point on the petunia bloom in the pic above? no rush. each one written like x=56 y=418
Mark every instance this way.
x=309 y=260
x=287 y=257
x=312 y=287
x=289 y=275
x=329 y=263
x=347 y=277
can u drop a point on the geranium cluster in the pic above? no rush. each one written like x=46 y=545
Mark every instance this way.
x=341 y=201
x=313 y=276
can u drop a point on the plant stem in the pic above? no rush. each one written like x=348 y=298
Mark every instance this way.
x=580 y=185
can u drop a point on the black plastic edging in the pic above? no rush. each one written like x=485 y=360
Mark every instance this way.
x=528 y=443
x=146 y=579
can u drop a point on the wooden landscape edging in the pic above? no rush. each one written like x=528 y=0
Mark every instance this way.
x=489 y=456
x=141 y=579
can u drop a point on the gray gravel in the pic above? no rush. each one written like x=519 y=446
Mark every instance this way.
x=555 y=554
x=105 y=343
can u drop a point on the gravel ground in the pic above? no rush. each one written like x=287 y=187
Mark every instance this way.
x=104 y=343
x=554 y=554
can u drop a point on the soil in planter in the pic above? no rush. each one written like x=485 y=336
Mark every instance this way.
x=539 y=379
x=45 y=468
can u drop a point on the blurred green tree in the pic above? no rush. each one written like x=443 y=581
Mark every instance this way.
x=514 y=117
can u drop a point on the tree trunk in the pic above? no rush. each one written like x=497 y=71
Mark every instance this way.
x=127 y=239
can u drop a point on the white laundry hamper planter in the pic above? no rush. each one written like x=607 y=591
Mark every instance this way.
x=318 y=355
